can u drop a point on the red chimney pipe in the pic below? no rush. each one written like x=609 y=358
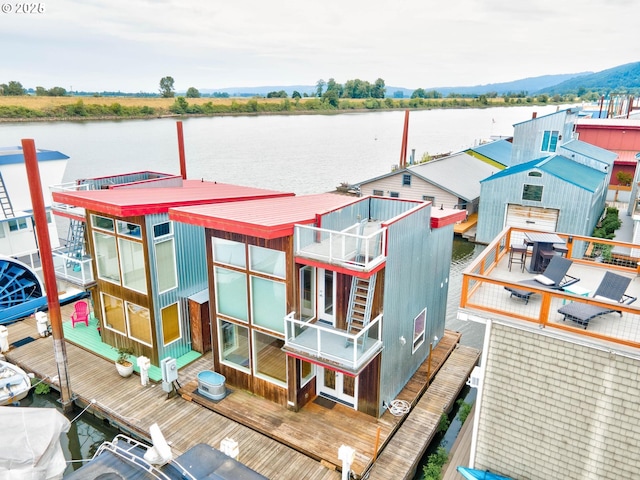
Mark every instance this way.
x=405 y=137
x=48 y=271
x=535 y=114
x=183 y=162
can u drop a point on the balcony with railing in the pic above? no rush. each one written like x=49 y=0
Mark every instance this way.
x=336 y=348
x=485 y=282
x=65 y=209
x=359 y=248
x=73 y=267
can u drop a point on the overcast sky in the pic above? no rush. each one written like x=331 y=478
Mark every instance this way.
x=97 y=45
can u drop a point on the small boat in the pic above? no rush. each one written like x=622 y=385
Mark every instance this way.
x=31 y=443
x=474 y=474
x=126 y=458
x=14 y=383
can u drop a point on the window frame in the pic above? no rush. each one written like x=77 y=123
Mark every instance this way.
x=419 y=337
x=530 y=192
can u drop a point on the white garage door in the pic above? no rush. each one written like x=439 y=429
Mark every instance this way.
x=535 y=218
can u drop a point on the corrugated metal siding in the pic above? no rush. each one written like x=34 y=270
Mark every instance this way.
x=416 y=276
x=192 y=278
x=557 y=194
x=385 y=209
x=527 y=136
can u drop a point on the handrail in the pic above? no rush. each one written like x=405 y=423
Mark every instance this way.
x=128 y=455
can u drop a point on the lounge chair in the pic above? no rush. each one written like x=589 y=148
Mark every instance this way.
x=554 y=277
x=611 y=288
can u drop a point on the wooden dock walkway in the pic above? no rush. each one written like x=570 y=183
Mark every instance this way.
x=273 y=441
x=400 y=458
x=460 y=452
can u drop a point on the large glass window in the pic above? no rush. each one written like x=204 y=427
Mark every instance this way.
x=550 y=140
x=132 y=264
x=139 y=321
x=419 y=324
x=129 y=229
x=229 y=252
x=106 y=257
x=234 y=339
x=113 y=313
x=231 y=293
x=166 y=265
x=307 y=372
x=268 y=305
x=270 y=360
x=267 y=260
x=104 y=223
x=532 y=192
x=170 y=318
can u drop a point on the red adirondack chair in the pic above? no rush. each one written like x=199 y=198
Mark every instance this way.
x=81 y=314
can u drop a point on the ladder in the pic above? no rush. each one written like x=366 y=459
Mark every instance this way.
x=75 y=242
x=5 y=202
x=360 y=302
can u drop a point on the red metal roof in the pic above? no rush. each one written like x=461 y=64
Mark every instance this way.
x=270 y=218
x=127 y=202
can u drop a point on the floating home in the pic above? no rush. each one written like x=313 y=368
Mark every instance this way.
x=323 y=295
x=555 y=182
x=557 y=395
x=144 y=272
x=17 y=234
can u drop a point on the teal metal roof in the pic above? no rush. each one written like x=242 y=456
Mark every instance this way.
x=592 y=151
x=560 y=167
x=499 y=151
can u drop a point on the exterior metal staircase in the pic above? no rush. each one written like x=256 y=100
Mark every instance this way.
x=75 y=242
x=360 y=302
x=5 y=202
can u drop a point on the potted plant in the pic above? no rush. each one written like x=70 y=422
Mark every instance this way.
x=123 y=364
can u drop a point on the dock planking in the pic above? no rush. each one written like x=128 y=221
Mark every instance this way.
x=274 y=441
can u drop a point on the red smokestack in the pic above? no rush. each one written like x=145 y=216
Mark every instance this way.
x=183 y=161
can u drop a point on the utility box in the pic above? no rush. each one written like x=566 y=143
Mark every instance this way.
x=169 y=369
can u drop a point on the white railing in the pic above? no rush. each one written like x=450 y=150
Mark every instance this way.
x=328 y=343
x=68 y=187
x=74 y=269
x=361 y=252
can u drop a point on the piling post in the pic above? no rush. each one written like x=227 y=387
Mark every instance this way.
x=183 y=161
x=50 y=284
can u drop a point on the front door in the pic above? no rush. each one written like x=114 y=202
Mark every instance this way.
x=337 y=386
x=326 y=296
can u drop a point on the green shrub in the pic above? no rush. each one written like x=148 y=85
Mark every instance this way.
x=42 y=389
x=464 y=410
x=444 y=422
x=433 y=469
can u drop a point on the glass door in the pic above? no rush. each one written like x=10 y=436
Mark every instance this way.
x=337 y=386
x=326 y=296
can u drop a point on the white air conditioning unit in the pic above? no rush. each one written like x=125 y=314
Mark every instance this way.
x=475 y=378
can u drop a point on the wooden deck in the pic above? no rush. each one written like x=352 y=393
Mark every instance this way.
x=274 y=441
x=468 y=224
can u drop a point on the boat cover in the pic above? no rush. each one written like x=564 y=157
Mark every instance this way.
x=30 y=443
x=473 y=474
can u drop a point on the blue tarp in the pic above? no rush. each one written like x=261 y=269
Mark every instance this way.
x=473 y=474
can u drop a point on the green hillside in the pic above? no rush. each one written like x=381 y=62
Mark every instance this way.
x=623 y=79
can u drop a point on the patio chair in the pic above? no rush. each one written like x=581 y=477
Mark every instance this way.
x=554 y=277
x=81 y=313
x=611 y=288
